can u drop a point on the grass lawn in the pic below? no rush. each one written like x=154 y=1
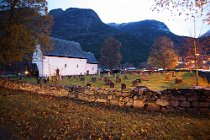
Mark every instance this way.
x=154 y=81
x=31 y=116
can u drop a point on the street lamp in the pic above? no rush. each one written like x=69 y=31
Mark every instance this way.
x=196 y=62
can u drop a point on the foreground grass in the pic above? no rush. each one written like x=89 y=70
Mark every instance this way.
x=32 y=116
x=154 y=81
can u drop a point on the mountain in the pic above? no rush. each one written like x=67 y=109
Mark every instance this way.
x=85 y=27
x=137 y=27
x=207 y=34
x=148 y=30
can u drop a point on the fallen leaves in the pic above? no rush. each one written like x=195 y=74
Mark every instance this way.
x=30 y=116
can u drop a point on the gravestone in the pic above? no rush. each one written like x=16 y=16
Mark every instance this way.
x=135 y=83
x=38 y=80
x=100 y=78
x=106 y=80
x=109 y=73
x=123 y=86
x=89 y=85
x=82 y=78
x=111 y=84
x=138 y=80
x=94 y=79
x=45 y=80
x=118 y=80
x=178 y=80
x=173 y=74
x=167 y=76
x=98 y=72
x=144 y=77
x=126 y=77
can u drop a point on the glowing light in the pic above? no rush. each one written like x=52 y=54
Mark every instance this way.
x=26 y=72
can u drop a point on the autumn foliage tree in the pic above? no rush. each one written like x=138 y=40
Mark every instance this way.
x=162 y=54
x=110 y=53
x=190 y=8
x=23 y=24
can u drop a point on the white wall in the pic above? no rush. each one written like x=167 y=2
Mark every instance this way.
x=66 y=66
x=92 y=68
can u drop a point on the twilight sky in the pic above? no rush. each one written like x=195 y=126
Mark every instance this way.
x=123 y=11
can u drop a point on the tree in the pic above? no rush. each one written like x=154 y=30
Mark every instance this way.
x=110 y=53
x=162 y=54
x=192 y=9
x=23 y=24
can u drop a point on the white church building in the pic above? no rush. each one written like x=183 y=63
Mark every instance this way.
x=65 y=58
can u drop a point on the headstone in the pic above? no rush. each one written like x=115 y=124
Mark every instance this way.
x=144 y=76
x=100 y=78
x=89 y=85
x=99 y=72
x=106 y=80
x=167 y=76
x=135 y=83
x=38 y=80
x=173 y=74
x=178 y=80
x=138 y=80
x=109 y=73
x=94 y=79
x=118 y=80
x=45 y=80
x=126 y=77
x=82 y=78
x=111 y=84
x=123 y=86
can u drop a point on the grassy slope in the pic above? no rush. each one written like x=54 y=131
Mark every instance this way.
x=31 y=116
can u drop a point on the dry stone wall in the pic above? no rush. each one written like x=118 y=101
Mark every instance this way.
x=170 y=100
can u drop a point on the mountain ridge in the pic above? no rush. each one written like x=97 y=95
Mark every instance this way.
x=86 y=27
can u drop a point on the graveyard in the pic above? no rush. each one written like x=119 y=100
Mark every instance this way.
x=154 y=81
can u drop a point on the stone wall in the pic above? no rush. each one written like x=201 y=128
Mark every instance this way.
x=58 y=91
x=170 y=100
x=205 y=74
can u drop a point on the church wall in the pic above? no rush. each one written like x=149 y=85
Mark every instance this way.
x=92 y=68
x=66 y=66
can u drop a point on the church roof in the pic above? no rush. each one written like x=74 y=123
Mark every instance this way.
x=90 y=57
x=65 y=48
